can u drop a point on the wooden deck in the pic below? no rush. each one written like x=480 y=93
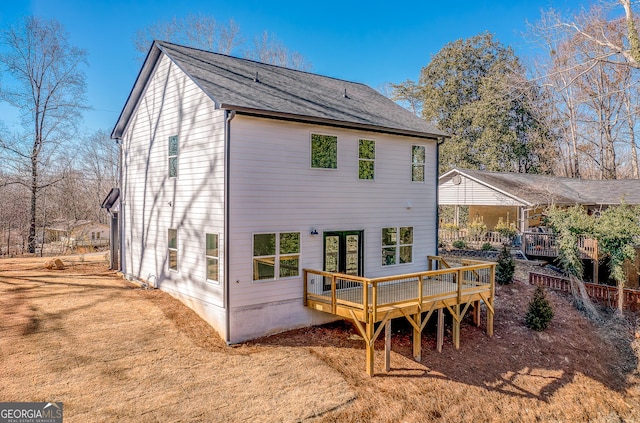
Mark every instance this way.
x=416 y=296
x=544 y=245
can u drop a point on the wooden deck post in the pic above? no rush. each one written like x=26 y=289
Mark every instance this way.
x=440 y=333
x=476 y=313
x=370 y=347
x=456 y=327
x=417 y=338
x=387 y=346
x=490 y=305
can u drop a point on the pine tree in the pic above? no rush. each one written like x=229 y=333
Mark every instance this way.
x=540 y=312
x=505 y=268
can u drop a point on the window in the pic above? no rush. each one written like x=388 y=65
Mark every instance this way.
x=173 y=249
x=366 y=159
x=324 y=151
x=276 y=255
x=212 y=257
x=417 y=163
x=97 y=235
x=397 y=249
x=173 y=156
x=93 y=235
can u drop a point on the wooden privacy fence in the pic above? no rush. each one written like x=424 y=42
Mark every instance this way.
x=368 y=301
x=604 y=294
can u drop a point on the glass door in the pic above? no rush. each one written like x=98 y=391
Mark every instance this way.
x=343 y=253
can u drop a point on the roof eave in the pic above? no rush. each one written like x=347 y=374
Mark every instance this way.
x=332 y=122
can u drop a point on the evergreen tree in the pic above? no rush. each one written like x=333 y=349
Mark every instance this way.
x=505 y=268
x=540 y=312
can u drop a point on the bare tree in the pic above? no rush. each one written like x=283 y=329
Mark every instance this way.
x=197 y=31
x=47 y=85
x=206 y=33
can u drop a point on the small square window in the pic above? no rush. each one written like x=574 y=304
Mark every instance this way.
x=324 y=151
x=397 y=249
x=276 y=255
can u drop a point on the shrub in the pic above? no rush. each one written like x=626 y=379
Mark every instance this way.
x=487 y=247
x=505 y=268
x=540 y=312
x=505 y=229
x=460 y=244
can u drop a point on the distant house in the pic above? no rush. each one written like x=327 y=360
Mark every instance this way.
x=237 y=175
x=78 y=233
x=521 y=198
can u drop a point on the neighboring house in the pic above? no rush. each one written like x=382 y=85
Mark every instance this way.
x=78 y=233
x=111 y=204
x=237 y=175
x=522 y=198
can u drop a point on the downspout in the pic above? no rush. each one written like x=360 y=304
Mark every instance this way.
x=439 y=142
x=121 y=219
x=228 y=117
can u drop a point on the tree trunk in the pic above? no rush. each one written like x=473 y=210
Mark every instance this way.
x=32 y=217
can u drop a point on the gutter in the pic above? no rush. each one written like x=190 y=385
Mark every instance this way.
x=228 y=117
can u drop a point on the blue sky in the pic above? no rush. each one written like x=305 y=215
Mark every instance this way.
x=370 y=42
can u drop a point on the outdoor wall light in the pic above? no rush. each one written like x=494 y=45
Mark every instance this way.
x=314 y=231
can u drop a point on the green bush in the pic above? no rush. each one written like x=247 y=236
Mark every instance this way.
x=505 y=268
x=460 y=244
x=540 y=312
x=487 y=247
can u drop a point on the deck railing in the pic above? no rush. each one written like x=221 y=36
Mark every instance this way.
x=372 y=296
x=473 y=238
x=544 y=245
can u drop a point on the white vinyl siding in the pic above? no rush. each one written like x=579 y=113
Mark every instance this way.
x=172 y=105
x=274 y=190
x=472 y=193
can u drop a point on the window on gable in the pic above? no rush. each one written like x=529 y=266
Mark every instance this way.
x=418 y=155
x=212 y=248
x=173 y=156
x=276 y=255
x=366 y=159
x=173 y=248
x=397 y=245
x=324 y=151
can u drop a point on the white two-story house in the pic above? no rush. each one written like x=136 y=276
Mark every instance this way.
x=236 y=175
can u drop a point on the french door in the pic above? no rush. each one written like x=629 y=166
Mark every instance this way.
x=343 y=252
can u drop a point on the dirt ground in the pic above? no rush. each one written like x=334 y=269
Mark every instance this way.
x=111 y=351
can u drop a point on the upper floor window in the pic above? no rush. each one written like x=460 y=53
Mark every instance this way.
x=418 y=155
x=173 y=248
x=212 y=248
x=276 y=255
x=397 y=245
x=366 y=159
x=324 y=151
x=173 y=156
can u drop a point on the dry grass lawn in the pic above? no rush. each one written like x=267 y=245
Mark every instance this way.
x=113 y=352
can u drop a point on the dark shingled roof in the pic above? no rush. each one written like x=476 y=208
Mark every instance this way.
x=273 y=91
x=545 y=189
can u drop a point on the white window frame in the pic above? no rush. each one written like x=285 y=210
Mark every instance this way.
x=360 y=159
x=311 y=151
x=212 y=257
x=171 y=157
x=422 y=164
x=277 y=257
x=172 y=250
x=397 y=246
